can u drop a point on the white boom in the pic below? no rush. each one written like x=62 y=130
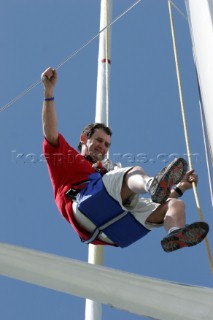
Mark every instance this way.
x=140 y=295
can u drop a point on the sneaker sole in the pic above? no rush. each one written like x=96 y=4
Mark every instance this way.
x=186 y=237
x=172 y=175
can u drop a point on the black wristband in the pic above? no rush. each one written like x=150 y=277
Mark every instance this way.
x=49 y=99
x=180 y=193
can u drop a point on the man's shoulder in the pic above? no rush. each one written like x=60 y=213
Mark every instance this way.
x=62 y=143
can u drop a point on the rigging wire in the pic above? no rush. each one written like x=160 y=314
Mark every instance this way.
x=185 y=126
x=179 y=10
x=26 y=91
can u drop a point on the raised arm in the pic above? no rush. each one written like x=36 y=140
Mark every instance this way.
x=49 y=118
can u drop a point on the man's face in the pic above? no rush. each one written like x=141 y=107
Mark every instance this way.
x=96 y=146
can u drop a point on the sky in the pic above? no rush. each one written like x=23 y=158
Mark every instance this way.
x=145 y=118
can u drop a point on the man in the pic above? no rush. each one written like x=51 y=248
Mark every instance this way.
x=104 y=206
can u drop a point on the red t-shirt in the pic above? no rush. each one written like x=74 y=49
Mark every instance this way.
x=67 y=168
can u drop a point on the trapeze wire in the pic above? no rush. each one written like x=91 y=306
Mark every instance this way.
x=68 y=58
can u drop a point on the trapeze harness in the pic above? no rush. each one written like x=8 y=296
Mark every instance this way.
x=105 y=213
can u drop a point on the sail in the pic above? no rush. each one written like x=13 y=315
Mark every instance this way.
x=150 y=297
x=200 y=16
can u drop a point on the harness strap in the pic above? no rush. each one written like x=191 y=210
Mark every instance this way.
x=120 y=226
x=73 y=192
x=101 y=228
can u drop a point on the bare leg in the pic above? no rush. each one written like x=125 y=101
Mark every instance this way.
x=172 y=214
x=180 y=235
x=135 y=181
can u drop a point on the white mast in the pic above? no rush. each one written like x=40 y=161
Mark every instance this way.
x=93 y=309
x=200 y=16
x=102 y=95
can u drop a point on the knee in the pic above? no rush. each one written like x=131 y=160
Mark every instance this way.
x=176 y=204
x=137 y=170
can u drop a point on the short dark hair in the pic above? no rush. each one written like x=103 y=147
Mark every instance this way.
x=90 y=129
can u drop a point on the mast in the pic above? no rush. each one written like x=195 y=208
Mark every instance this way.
x=93 y=309
x=200 y=17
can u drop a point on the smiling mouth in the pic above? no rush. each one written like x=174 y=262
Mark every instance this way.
x=97 y=155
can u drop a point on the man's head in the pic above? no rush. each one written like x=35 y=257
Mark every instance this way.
x=95 y=141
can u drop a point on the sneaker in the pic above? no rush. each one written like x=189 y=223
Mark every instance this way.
x=188 y=236
x=162 y=183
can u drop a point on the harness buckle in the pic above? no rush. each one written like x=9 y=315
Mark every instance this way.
x=72 y=193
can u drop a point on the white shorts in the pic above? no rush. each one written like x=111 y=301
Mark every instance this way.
x=141 y=208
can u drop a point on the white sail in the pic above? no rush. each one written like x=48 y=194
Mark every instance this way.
x=200 y=15
x=149 y=297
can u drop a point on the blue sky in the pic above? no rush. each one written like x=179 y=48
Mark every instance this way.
x=145 y=118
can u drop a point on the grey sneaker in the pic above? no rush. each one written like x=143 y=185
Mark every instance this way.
x=188 y=236
x=162 y=183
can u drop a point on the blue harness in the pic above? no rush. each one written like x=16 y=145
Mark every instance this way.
x=106 y=213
